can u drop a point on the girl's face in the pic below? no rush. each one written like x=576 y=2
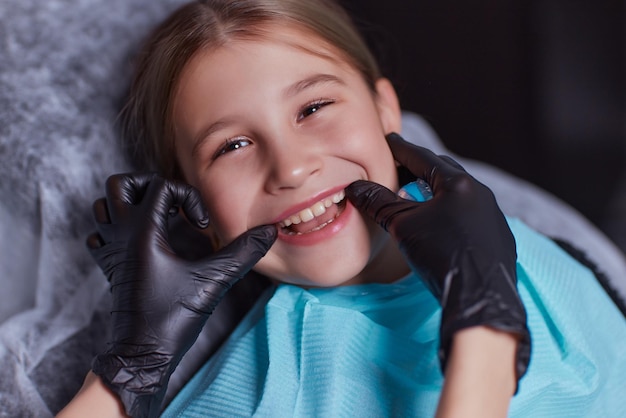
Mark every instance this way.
x=271 y=132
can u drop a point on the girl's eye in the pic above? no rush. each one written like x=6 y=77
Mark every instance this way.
x=232 y=145
x=311 y=108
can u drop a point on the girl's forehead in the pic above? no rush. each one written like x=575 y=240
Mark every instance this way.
x=299 y=38
x=271 y=50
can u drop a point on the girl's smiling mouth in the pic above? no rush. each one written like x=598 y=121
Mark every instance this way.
x=315 y=217
x=317 y=221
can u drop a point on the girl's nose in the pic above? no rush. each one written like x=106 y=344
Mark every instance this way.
x=291 y=163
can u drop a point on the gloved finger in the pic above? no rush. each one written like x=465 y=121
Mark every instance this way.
x=190 y=201
x=105 y=230
x=105 y=256
x=124 y=191
x=440 y=172
x=94 y=241
x=452 y=161
x=421 y=161
x=101 y=211
x=377 y=202
x=231 y=263
x=162 y=198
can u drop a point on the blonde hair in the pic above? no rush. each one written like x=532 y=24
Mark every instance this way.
x=146 y=119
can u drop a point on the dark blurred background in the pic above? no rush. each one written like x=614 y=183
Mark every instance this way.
x=535 y=87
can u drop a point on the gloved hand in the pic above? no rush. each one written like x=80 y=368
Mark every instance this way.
x=459 y=242
x=160 y=301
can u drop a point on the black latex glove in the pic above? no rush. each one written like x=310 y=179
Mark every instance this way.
x=458 y=241
x=160 y=301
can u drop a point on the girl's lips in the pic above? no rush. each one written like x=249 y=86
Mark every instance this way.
x=316 y=236
x=308 y=203
x=315 y=216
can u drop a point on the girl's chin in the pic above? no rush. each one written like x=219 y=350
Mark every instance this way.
x=335 y=256
x=315 y=274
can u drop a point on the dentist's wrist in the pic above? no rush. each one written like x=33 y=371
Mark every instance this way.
x=480 y=377
x=95 y=400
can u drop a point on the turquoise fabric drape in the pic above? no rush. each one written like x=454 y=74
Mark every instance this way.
x=370 y=350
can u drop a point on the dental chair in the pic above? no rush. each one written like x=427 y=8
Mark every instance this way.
x=64 y=68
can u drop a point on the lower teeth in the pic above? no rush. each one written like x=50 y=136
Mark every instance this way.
x=317 y=228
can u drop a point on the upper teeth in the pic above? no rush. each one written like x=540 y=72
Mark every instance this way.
x=317 y=209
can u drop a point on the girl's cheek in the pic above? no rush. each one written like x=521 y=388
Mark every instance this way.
x=227 y=223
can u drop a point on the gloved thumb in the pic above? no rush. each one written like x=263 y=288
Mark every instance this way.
x=232 y=262
x=377 y=202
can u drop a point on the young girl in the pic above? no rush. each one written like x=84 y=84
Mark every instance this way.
x=276 y=114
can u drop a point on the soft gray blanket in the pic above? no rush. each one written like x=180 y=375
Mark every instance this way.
x=64 y=67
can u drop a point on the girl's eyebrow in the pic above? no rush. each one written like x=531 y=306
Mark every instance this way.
x=311 y=81
x=204 y=134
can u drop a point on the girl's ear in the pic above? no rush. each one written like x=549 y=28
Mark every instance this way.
x=388 y=106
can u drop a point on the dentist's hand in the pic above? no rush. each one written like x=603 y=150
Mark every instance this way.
x=458 y=241
x=160 y=301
